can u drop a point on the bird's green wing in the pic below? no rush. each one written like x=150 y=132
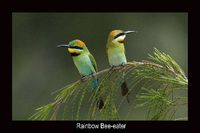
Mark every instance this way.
x=93 y=62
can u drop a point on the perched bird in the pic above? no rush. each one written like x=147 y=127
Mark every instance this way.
x=84 y=62
x=116 y=53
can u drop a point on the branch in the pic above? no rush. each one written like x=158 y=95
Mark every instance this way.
x=125 y=66
x=159 y=77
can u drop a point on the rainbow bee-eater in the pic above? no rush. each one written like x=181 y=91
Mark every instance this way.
x=84 y=62
x=116 y=53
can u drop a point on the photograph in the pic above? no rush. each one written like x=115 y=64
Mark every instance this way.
x=118 y=66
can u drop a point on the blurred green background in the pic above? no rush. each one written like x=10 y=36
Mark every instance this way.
x=39 y=67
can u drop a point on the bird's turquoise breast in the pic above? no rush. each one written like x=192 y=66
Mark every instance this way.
x=84 y=65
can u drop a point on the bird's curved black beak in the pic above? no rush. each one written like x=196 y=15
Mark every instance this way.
x=127 y=32
x=63 y=45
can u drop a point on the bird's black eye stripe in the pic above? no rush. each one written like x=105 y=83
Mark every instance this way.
x=120 y=34
x=75 y=54
x=76 y=47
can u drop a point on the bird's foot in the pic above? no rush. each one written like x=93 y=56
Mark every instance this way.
x=112 y=68
x=83 y=78
x=93 y=75
x=123 y=64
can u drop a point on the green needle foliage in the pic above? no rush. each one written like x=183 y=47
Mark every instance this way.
x=153 y=88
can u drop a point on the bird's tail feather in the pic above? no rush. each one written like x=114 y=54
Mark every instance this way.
x=95 y=83
x=124 y=90
x=100 y=102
